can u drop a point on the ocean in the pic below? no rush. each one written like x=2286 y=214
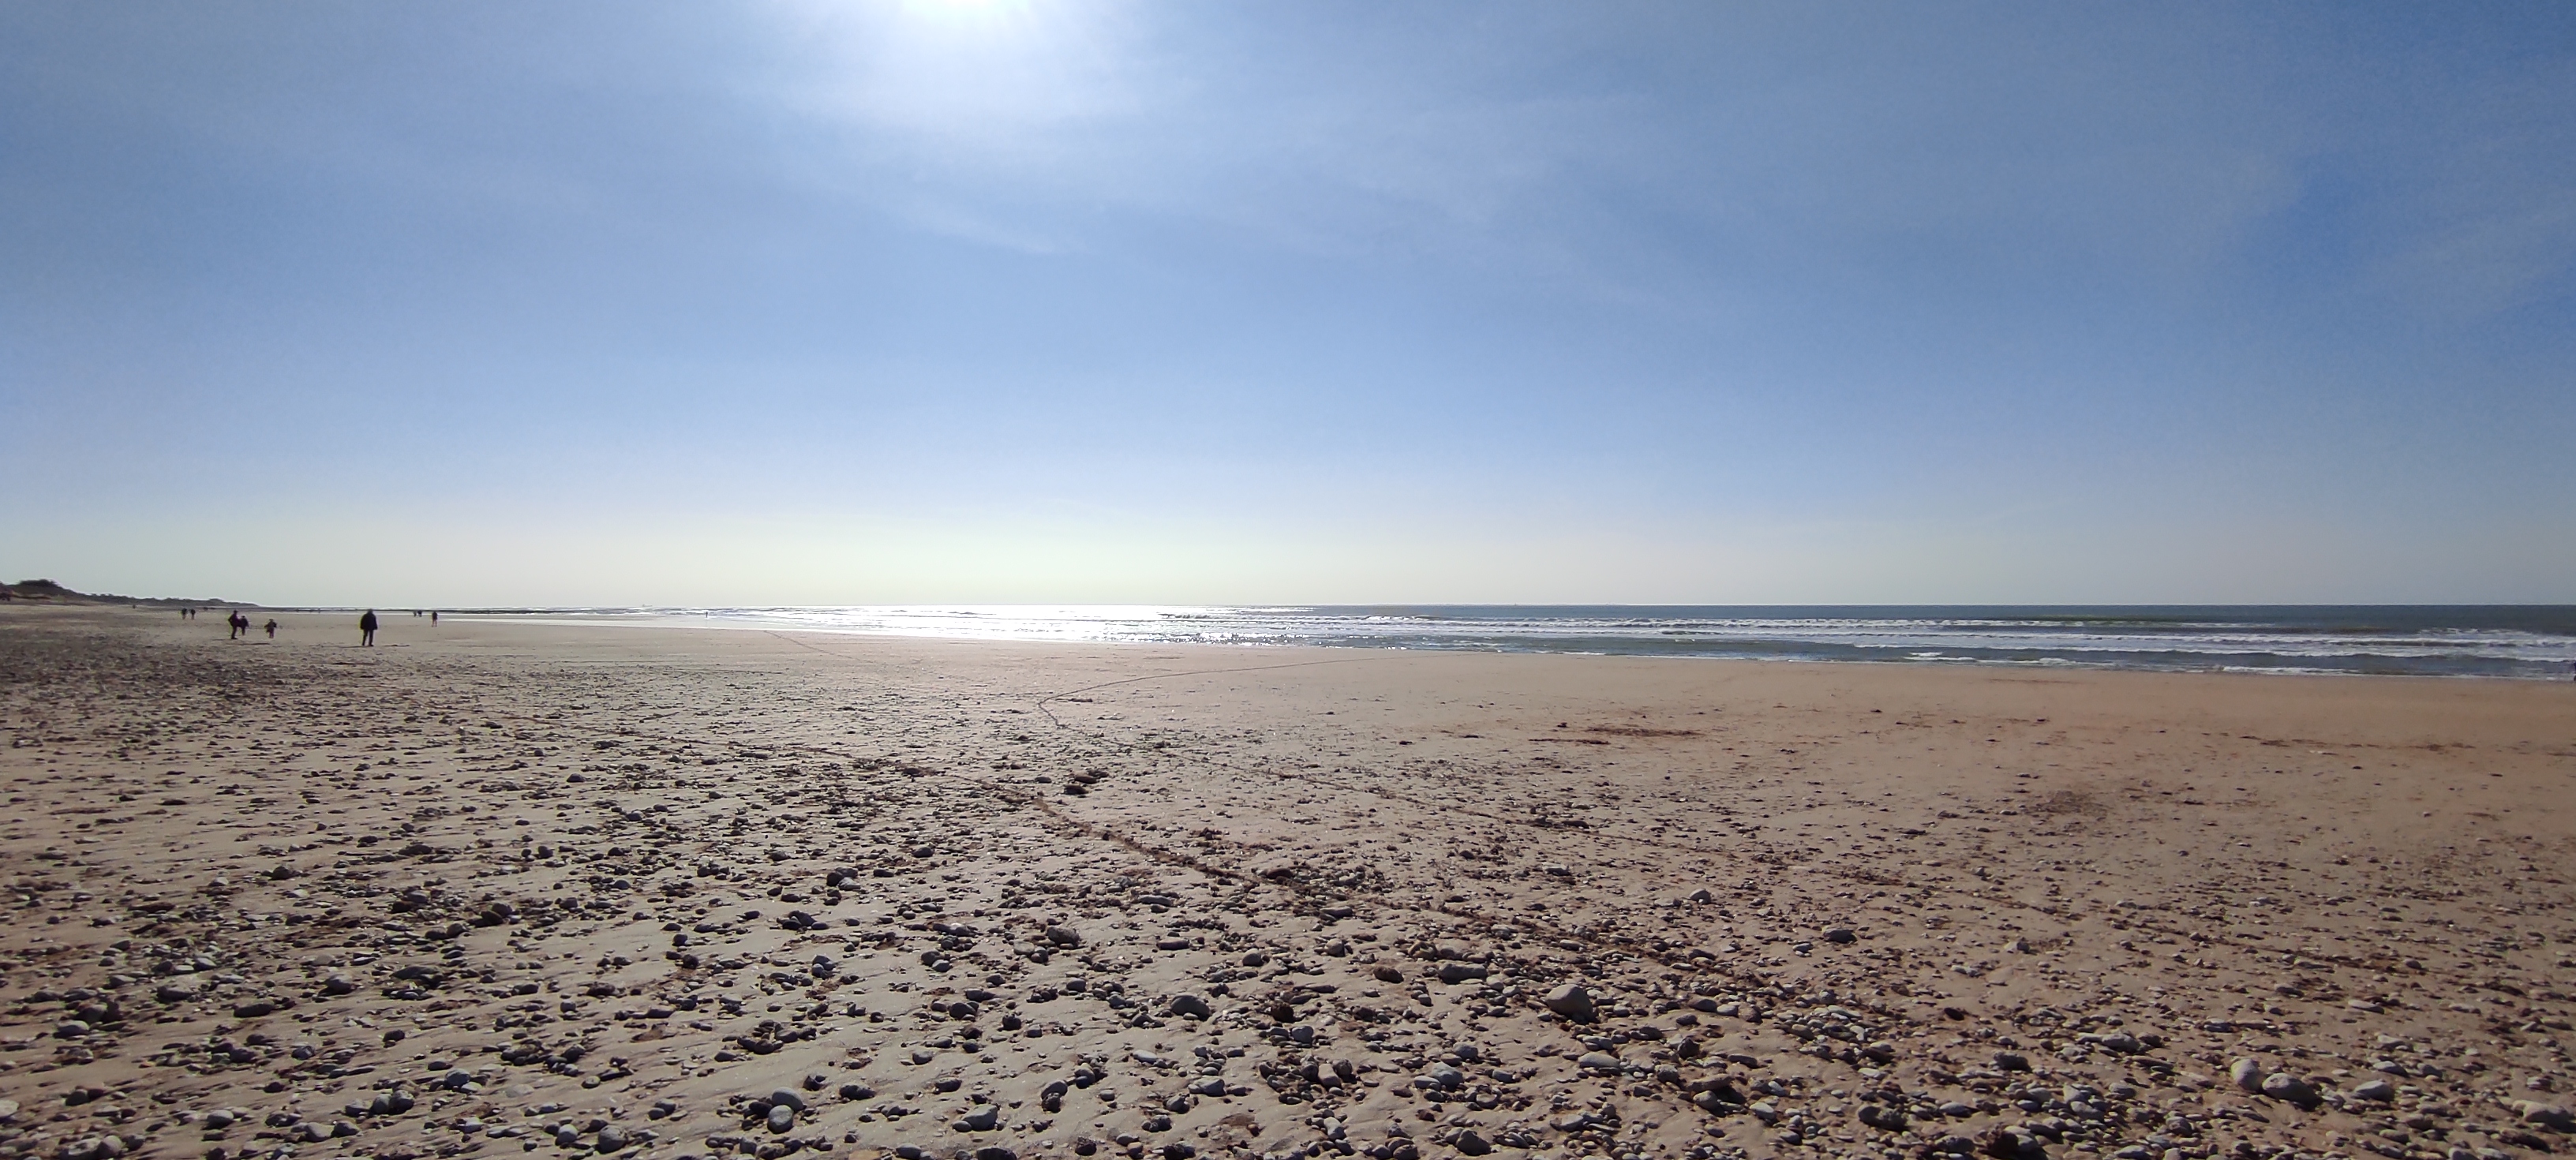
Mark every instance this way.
x=2531 y=642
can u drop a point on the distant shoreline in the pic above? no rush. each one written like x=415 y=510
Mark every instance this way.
x=2516 y=642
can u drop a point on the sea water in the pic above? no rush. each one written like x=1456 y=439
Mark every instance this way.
x=2528 y=641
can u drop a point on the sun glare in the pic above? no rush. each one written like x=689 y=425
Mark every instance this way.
x=966 y=13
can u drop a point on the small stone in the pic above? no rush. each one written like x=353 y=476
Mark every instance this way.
x=2287 y=1088
x=782 y=1119
x=2378 y=1090
x=982 y=1119
x=1598 y=1061
x=1063 y=936
x=2545 y=1115
x=2011 y=1061
x=2246 y=1073
x=612 y=1138
x=1191 y=1006
x=1469 y=1143
x=1571 y=1001
x=1461 y=972
x=1841 y=935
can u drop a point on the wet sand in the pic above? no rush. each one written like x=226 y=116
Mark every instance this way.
x=494 y=888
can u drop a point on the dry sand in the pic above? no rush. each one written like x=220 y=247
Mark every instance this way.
x=497 y=888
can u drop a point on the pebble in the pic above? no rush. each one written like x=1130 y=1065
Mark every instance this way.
x=2287 y=1088
x=2545 y=1115
x=1460 y=972
x=2247 y=1074
x=1571 y=1001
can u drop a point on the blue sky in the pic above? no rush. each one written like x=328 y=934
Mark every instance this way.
x=988 y=301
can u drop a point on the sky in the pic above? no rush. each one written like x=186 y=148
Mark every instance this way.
x=794 y=302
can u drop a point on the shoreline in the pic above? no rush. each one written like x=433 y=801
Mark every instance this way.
x=708 y=622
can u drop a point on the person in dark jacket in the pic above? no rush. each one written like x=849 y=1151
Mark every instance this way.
x=367 y=628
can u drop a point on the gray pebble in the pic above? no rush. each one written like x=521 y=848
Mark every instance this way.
x=1571 y=1001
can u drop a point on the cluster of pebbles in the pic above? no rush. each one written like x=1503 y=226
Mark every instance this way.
x=748 y=897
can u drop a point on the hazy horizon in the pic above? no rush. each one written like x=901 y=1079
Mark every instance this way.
x=803 y=303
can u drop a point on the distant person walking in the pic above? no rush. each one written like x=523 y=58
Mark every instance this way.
x=367 y=628
x=433 y=618
x=272 y=630
x=235 y=624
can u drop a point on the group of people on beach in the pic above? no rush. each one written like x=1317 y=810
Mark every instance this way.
x=240 y=626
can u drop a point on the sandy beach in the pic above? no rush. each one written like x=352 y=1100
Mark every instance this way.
x=494 y=888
